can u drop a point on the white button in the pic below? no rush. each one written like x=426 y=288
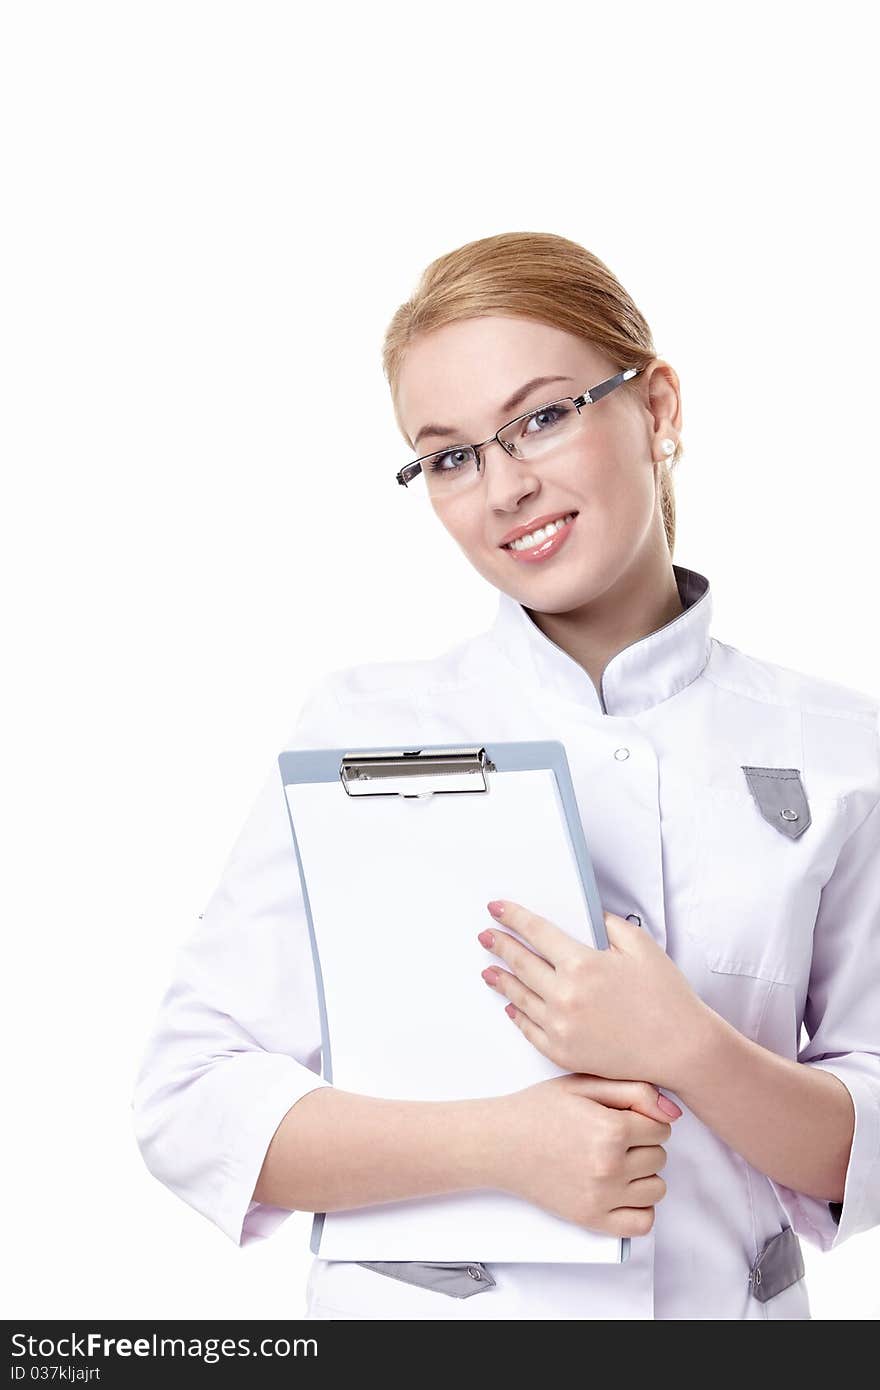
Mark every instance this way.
x=621 y=753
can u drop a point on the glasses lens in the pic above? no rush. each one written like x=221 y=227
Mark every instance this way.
x=542 y=430
x=451 y=470
x=456 y=469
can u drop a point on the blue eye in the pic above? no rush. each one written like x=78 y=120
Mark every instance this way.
x=550 y=414
x=461 y=457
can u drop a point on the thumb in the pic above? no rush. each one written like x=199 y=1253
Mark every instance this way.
x=628 y=1095
x=669 y=1106
x=620 y=931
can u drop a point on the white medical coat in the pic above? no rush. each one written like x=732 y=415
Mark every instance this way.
x=772 y=931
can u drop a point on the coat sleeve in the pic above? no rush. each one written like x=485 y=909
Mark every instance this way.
x=237 y=1038
x=842 y=1019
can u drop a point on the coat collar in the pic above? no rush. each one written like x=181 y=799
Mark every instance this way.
x=641 y=675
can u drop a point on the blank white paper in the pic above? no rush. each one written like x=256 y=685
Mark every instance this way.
x=397 y=889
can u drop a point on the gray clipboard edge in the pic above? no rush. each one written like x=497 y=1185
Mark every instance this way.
x=290 y=773
x=323 y=764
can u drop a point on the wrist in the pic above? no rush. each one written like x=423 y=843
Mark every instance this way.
x=480 y=1130
x=698 y=1052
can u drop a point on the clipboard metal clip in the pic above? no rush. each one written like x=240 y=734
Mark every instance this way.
x=414 y=773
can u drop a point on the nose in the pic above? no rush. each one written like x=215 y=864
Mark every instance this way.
x=508 y=479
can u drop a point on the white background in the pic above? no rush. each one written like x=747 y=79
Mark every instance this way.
x=211 y=212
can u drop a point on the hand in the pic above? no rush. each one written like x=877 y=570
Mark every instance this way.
x=586 y=1149
x=620 y=1012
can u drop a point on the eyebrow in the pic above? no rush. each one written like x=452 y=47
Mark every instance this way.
x=445 y=431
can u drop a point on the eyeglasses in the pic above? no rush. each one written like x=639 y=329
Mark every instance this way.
x=538 y=432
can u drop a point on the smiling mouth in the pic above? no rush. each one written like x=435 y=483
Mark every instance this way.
x=536 y=538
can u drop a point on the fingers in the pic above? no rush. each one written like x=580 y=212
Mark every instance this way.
x=552 y=942
x=644 y=1160
x=631 y=1221
x=513 y=989
x=622 y=934
x=640 y=1097
x=637 y=1217
x=534 y=971
x=641 y=1129
x=645 y=1192
x=532 y=1030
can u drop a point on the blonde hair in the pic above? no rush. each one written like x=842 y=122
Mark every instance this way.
x=535 y=275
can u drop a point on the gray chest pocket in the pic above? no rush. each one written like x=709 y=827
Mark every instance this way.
x=441 y=1276
x=779 y=793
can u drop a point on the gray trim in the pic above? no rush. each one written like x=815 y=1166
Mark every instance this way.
x=692 y=589
x=441 y=1276
x=781 y=798
x=779 y=1265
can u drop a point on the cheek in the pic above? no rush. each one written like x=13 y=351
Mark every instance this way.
x=618 y=494
x=461 y=521
x=467 y=527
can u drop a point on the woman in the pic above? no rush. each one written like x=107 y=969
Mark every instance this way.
x=732 y=810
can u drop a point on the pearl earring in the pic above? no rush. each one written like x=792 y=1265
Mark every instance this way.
x=668 y=447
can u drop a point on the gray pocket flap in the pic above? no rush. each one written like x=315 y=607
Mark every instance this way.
x=780 y=1264
x=781 y=798
x=442 y=1276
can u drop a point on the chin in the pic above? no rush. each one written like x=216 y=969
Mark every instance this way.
x=558 y=594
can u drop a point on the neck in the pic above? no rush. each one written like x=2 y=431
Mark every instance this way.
x=644 y=598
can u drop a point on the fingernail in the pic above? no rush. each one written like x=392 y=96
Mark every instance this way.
x=669 y=1106
x=490 y=975
x=487 y=939
x=496 y=908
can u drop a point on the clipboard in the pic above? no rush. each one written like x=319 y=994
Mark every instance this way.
x=399 y=850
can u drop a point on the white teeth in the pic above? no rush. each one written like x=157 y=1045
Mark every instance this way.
x=537 y=537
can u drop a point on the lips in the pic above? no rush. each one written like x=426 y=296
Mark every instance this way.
x=540 y=552
x=534 y=525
